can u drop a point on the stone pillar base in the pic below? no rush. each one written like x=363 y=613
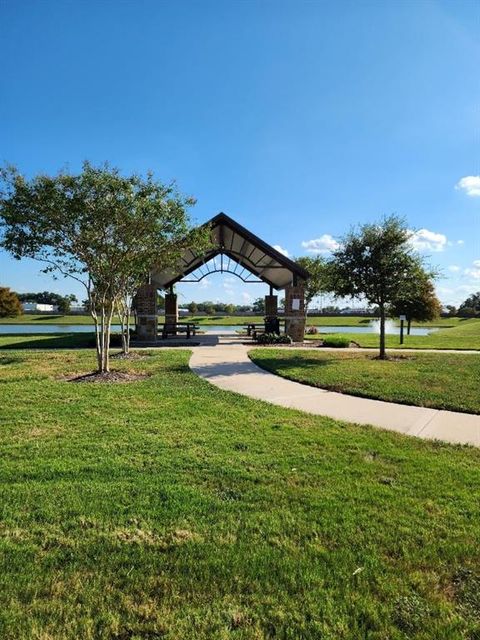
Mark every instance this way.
x=295 y=328
x=171 y=308
x=295 y=312
x=145 y=304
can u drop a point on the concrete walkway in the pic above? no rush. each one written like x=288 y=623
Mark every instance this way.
x=225 y=363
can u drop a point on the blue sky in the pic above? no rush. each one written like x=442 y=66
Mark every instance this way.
x=296 y=118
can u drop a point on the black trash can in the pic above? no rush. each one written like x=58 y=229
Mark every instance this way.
x=272 y=325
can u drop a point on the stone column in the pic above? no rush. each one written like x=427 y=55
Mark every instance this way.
x=295 y=312
x=146 y=311
x=171 y=308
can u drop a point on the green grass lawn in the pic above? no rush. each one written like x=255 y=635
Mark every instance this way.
x=171 y=509
x=440 y=380
x=465 y=335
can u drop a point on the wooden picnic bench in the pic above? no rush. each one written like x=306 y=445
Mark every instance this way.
x=255 y=329
x=174 y=328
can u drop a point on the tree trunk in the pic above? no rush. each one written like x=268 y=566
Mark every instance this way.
x=97 y=341
x=383 y=353
x=409 y=324
x=127 y=333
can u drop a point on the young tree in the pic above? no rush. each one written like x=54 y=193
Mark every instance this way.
x=318 y=281
x=470 y=308
x=98 y=227
x=65 y=303
x=417 y=301
x=10 y=305
x=258 y=306
x=376 y=262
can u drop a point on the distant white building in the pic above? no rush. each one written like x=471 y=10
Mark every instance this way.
x=39 y=307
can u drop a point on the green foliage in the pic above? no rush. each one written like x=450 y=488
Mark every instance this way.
x=319 y=280
x=258 y=306
x=470 y=308
x=10 y=305
x=418 y=300
x=273 y=338
x=99 y=227
x=376 y=262
x=335 y=341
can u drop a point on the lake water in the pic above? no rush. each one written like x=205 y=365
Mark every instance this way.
x=85 y=328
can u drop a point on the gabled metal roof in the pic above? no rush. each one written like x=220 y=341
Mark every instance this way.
x=234 y=243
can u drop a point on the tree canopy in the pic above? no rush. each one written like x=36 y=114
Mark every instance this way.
x=318 y=281
x=102 y=228
x=378 y=263
x=470 y=308
x=10 y=305
x=417 y=300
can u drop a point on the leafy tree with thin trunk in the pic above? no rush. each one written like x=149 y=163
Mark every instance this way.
x=376 y=262
x=101 y=228
x=318 y=281
x=258 y=305
x=470 y=308
x=10 y=305
x=417 y=301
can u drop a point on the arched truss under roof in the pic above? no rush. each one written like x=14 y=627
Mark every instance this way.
x=235 y=250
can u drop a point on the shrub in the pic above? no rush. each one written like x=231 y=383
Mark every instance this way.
x=9 y=304
x=335 y=341
x=272 y=338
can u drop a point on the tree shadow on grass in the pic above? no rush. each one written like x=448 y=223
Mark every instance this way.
x=43 y=318
x=47 y=341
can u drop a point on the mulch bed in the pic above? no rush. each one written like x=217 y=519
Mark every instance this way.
x=133 y=355
x=110 y=377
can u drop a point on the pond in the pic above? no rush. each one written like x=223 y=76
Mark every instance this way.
x=391 y=328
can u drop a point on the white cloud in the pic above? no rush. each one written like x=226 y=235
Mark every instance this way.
x=426 y=240
x=205 y=283
x=460 y=242
x=475 y=272
x=470 y=185
x=246 y=297
x=454 y=268
x=228 y=285
x=281 y=250
x=324 y=244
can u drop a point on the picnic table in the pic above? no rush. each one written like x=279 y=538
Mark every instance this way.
x=173 y=328
x=255 y=328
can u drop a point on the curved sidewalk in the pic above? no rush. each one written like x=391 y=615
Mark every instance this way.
x=227 y=365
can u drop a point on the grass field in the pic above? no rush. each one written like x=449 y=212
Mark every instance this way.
x=444 y=381
x=345 y=321
x=465 y=335
x=171 y=509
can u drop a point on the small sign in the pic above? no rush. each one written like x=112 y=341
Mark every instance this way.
x=402 y=317
x=295 y=304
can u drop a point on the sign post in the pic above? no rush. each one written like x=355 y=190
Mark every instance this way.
x=402 y=320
